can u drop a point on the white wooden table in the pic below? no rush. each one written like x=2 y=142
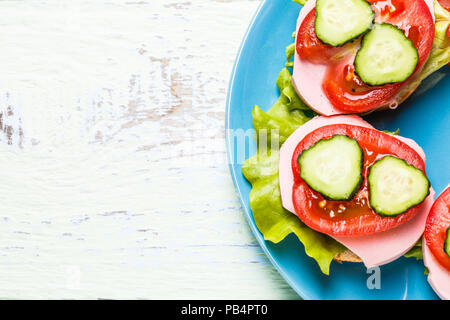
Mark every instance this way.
x=114 y=181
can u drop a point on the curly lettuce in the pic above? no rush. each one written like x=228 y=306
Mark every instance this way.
x=261 y=170
x=440 y=51
x=302 y=2
x=416 y=251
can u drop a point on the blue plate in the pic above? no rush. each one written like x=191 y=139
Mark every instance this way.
x=424 y=117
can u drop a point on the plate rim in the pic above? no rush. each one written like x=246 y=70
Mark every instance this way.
x=232 y=166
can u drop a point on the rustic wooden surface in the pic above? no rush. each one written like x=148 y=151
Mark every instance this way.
x=114 y=179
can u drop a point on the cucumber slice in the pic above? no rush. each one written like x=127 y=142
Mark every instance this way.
x=447 y=243
x=339 y=21
x=395 y=186
x=333 y=167
x=386 y=56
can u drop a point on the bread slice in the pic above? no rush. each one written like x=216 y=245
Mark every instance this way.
x=347 y=256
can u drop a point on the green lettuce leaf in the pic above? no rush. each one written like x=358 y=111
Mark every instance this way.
x=290 y=51
x=394 y=133
x=440 y=51
x=302 y=2
x=416 y=251
x=261 y=170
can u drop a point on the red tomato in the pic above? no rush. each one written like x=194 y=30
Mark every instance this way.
x=354 y=217
x=445 y=4
x=344 y=89
x=438 y=222
x=348 y=92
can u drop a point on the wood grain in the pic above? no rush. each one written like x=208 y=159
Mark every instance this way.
x=115 y=182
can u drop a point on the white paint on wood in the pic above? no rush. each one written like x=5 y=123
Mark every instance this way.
x=114 y=182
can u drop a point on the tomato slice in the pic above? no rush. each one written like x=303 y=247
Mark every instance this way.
x=347 y=92
x=355 y=217
x=438 y=222
x=343 y=87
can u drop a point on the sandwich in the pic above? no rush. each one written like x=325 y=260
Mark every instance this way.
x=358 y=56
x=363 y=194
